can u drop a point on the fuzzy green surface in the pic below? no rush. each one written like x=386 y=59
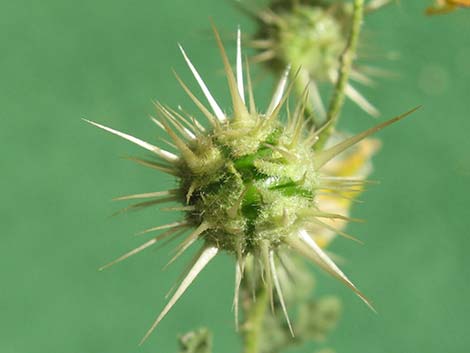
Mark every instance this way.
x=319 y=45
x=105 y=61
x=251 y=193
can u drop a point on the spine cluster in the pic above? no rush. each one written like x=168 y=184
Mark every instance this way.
x=257 y=184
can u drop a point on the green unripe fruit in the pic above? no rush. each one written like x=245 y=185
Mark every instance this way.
x=311 y=38
x=258 y=189
x=248 y=184
x=311 y=35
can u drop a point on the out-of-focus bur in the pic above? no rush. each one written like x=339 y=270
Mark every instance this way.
x=311 y=35
x=251 y=184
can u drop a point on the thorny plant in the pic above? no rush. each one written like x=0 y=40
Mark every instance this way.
x=268 y=188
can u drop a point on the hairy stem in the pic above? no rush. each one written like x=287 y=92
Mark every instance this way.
x=346 y=61
x=254 y=322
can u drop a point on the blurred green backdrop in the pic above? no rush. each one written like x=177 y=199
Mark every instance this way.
x=106 y=60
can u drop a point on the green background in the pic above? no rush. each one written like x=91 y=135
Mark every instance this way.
x=106 y=60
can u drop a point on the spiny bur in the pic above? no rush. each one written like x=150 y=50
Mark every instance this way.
x=312 y=35
x=248 y=183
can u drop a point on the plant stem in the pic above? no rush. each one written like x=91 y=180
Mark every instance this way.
x=345 y=64
x=254 y=322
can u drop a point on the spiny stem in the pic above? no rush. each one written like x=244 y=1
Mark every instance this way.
x=346 y=60
x=254 y=321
